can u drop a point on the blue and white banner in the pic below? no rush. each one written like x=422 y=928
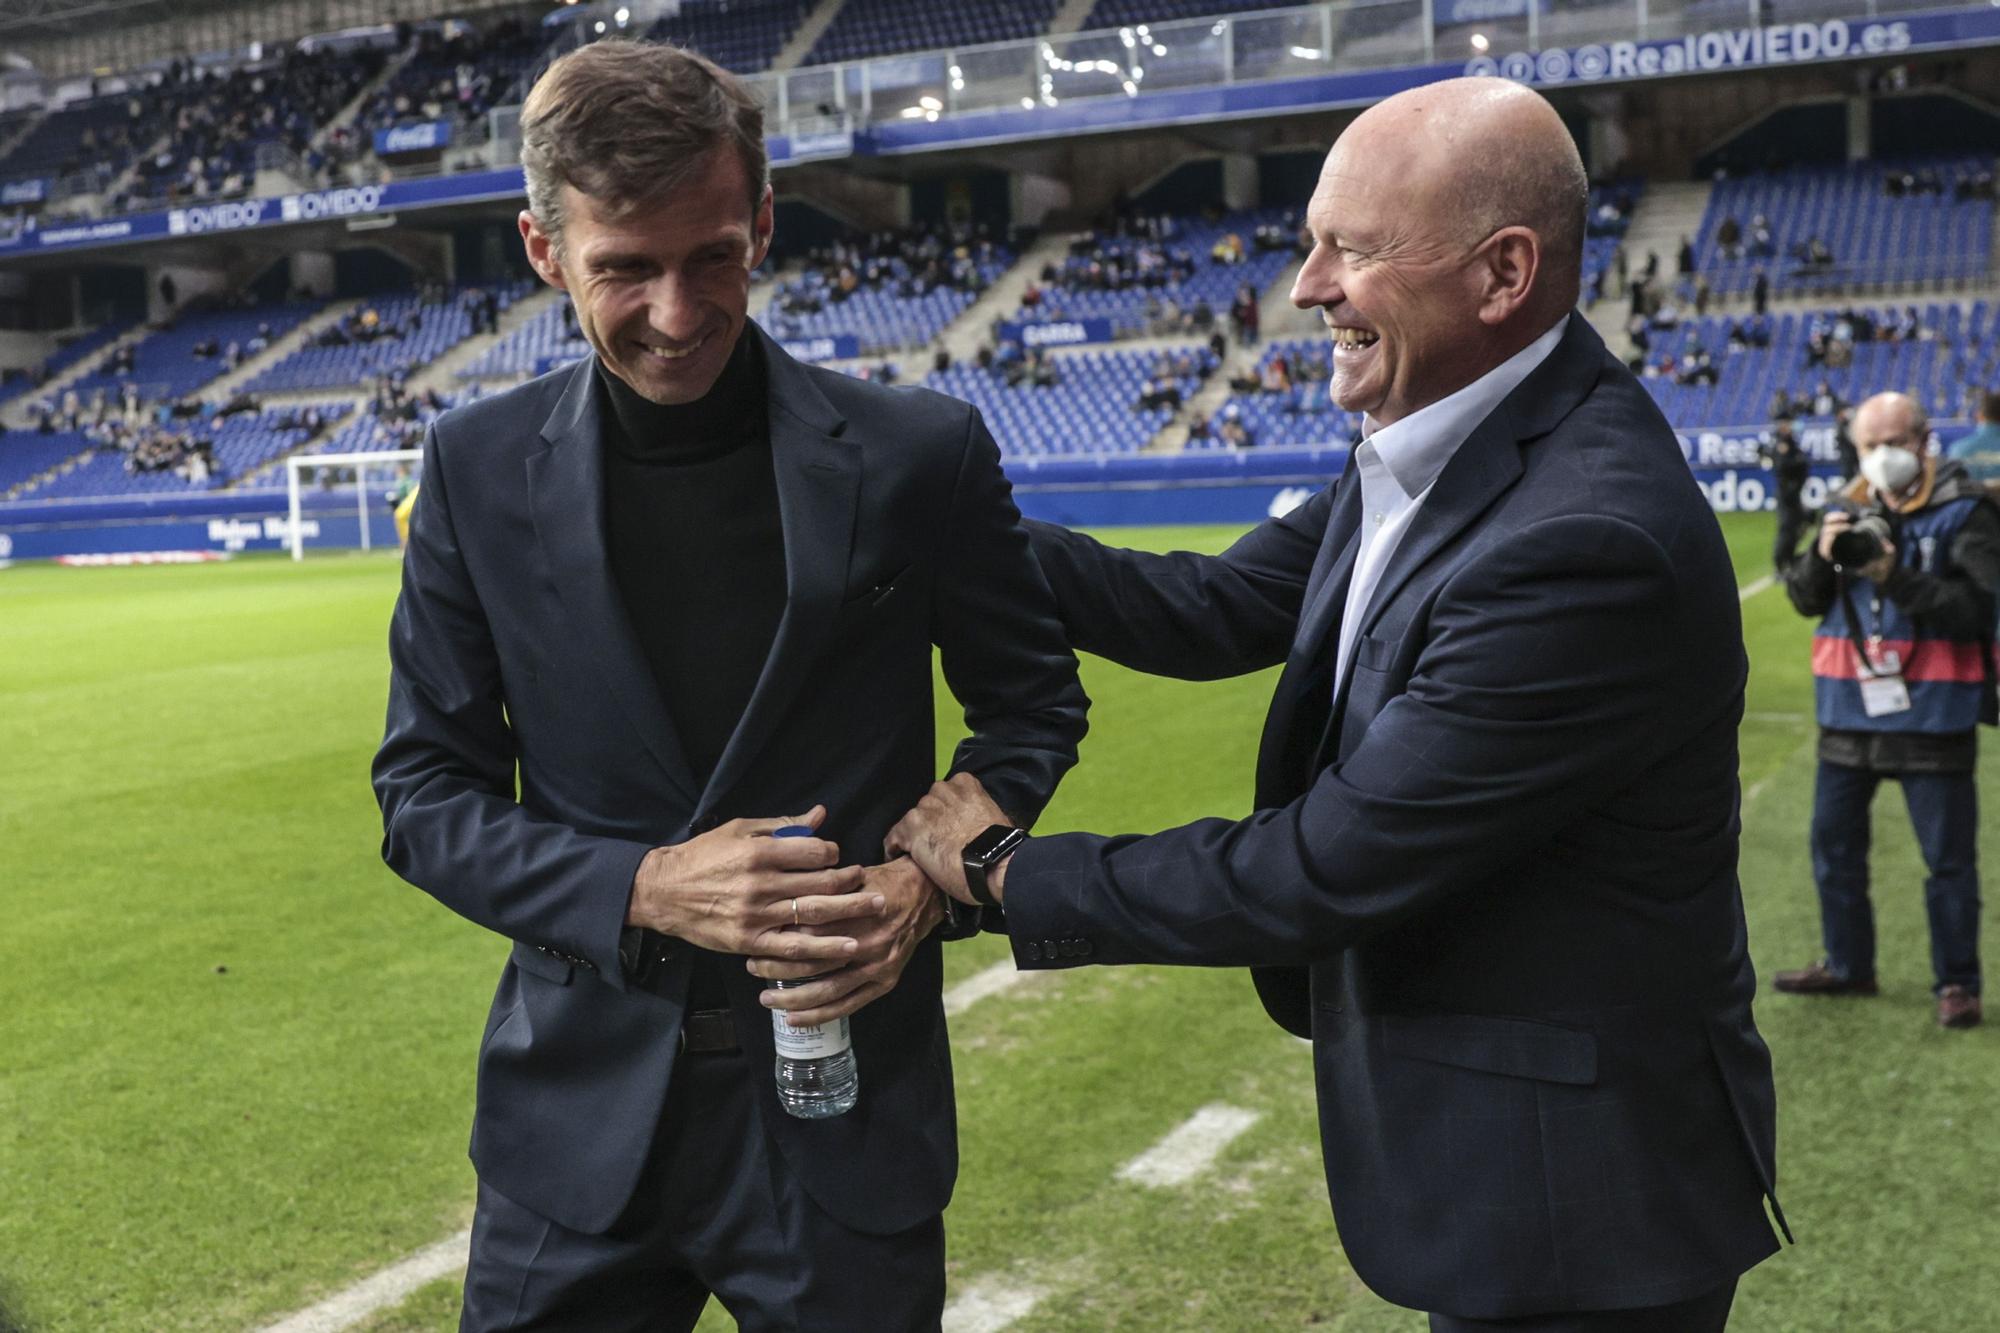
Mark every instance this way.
x=837 y=347
x=428 y=136
x=24 y=192
x=1734 y=48
x=1057 y=332
x=277 y=210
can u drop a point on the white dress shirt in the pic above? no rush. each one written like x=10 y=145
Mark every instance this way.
x=1399 y=463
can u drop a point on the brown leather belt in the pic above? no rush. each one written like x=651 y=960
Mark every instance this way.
x=709 y=1031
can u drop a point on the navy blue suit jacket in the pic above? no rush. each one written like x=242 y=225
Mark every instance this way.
x=529 y=763
x=1495 y=880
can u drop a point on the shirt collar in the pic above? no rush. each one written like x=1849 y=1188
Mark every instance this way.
x=1415 y=449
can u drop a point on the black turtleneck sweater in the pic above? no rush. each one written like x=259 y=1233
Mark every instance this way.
x=696 y=547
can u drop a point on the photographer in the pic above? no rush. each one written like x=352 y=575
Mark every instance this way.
x=1903 y=576
x=1790 y=466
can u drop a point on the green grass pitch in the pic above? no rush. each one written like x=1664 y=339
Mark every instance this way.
x=236 y=1053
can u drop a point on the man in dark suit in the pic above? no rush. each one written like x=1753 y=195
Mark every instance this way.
x=1492 y=869
x=677 y=592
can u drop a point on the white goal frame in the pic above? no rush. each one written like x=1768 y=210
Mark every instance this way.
x=361 y=463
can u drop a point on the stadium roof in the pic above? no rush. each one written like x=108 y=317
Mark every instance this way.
x=27 y=20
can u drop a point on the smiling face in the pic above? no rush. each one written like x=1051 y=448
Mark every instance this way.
x=662 y=291
x=1446 y=231
x=1400 y=292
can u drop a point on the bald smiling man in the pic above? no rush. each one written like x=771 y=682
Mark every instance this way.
x=1491 y=872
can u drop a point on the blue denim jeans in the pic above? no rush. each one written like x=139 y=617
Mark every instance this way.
x=1944 y=810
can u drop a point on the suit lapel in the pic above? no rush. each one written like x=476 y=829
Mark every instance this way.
x=1326 y=590
x=819 y=487
x=1490 y=459
x=566 y=497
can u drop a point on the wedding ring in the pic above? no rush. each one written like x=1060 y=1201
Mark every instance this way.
x=795 y=913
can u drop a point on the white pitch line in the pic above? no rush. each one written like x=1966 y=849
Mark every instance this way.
x=1755 y=586
x=989 y=1306
x=980 y=986
x=1188 y=1150
x=345 y=1309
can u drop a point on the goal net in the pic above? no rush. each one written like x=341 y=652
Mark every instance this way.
x=367 y=477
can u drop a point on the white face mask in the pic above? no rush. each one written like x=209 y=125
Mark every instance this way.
x=1890 y=468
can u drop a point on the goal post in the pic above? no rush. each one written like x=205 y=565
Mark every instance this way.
x=298 y=464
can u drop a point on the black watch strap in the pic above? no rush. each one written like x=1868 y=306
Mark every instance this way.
x=986 y=851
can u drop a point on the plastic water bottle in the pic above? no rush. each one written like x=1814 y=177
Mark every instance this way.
x=817 y=1077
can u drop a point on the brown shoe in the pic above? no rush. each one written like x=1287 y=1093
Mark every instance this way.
x=1957 y=1008
x=1819 y=979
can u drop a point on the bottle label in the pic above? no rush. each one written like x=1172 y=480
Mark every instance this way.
x=813 y=1043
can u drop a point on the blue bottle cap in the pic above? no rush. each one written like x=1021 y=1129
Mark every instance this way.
x=796 y=831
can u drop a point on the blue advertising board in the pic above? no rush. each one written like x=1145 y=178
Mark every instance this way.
x=25 y=192
x=1056 y=332
x=430 y=136
x=835 y=347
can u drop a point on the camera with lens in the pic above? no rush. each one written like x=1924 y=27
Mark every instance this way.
x=1863 y=542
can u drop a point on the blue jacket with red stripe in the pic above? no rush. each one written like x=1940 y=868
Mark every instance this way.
x=1934 y=616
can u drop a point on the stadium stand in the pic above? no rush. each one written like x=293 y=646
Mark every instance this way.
x=25 y=456
x=178 y=360
x=219 y=122
x=866 y=28
x=1719 y=371
x=892 y=289
x=155 y=459
x=456 y=74
x=1156 y=274
x=1092 y=405
x=69 y=354
x=1290 y=407
x=389 y=336
x=742 y=35
x=547 y=340
x=1862 y=224
x=97 y=138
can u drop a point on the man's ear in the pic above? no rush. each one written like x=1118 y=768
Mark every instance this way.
x=1510 y=263
x=541 y=250
x=762 y=227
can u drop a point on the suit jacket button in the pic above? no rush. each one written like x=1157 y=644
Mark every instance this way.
x=1084 y=948
x=1050 y=949
x=1033 y=951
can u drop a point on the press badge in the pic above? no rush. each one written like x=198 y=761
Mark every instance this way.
x=1882 y=689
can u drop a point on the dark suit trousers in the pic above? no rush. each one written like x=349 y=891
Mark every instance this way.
x=717 y=1211
x=1707 y=1313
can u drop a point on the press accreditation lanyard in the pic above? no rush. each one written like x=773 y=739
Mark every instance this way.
x=1878 y=670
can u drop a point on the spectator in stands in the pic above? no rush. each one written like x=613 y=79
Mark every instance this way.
x=685 y=483
x=1685 y=260
x=1729 y=237
x=1904 y=674
x=1763 y=245
x=1760 y=293
x=1234 y=431
x=1157 y=393
x=1979 y=449
x=1244 y=316
x=1825 y=402
x=1042 y=372
x=1228 y=249
x=1276 y=376
x=1783 y=406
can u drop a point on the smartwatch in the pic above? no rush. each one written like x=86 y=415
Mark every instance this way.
x=986 y=851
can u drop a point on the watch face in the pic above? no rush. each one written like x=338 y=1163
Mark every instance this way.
x=983 y=847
